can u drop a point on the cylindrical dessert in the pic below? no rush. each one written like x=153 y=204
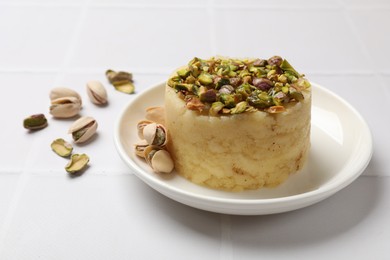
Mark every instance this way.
x=238 y=124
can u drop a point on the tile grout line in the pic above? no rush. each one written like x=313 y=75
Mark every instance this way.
x=363 y=47
x=24 y=176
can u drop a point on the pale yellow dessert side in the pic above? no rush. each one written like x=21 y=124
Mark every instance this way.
x=236 y=152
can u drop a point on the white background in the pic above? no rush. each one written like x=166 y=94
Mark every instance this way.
x=108 y=213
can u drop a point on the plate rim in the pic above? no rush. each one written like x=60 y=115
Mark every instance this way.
x=329 y=189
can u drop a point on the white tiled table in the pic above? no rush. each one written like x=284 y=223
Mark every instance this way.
x=108 y=213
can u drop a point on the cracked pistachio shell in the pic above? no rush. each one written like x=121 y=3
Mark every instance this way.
x=65 y=107
x=155 y=134
x=119 y=78
x=96 y=92
x=83 y=129
x=61 y=147
x=61 y=92
x=127 y=88
x=156 y=114
x=77 y=163
x=35 y=122
x=140 y=148
x=140 y=127
x=158 y=159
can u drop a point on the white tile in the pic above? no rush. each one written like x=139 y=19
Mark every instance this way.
x=35 y=36
x=279 y=3
x=106 y=217
x=25 y=94
x=8 y=183
x=309 y=39
x=22 y=3
x=353 y=224
x=367 y=95
x=374 y=32
x=142 y=37
x=151 y=2
x=366 y=3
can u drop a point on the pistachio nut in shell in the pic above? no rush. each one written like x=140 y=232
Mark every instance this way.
x=65 y=107
x=140 y=127
x=35 y=122
x=155 y=134
x=156 y=114
x=160 y=160
x=61 y=92
x=61 y=147
x=83 y=129
x=140 y=148
x=77 y=163
x=96 y=92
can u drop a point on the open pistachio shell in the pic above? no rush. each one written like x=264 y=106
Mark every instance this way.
x=156 y=114
x=140 y=148
x=160 y=160
x=35 y=122
x=65 y=107
x=77 y=163
x=83 y=129
x=61 y=147
x=118 y=78
x=140 y=127
x=96 y=92
x=155 y=134
x=61 y=92
x=127 y=88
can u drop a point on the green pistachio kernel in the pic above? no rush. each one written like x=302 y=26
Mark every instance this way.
x=61 y=147
x=215 y=108
x=190 y=79
x=35 y=122
x=298 y=96
x=303 y=83
x=223 y=82
x=282 y=78
x=239 y=108
x=270 y=73
x=183 y=73
x=195 y=71
x=205 y=79
x=228 y=100
x=260 y=100
x=183 y=86
x=244 y=73
x=127 y=88
x=77 y=163
x=286 y=66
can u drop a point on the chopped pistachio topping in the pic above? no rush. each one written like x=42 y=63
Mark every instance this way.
x=233 y=86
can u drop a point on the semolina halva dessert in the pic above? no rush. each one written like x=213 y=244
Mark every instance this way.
x=237 y=124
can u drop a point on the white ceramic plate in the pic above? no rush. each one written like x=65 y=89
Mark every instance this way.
x=341 y=149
